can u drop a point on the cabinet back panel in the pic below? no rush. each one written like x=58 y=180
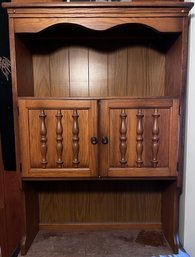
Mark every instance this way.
x=80 y=62
x=100 y=201
x=81 y=71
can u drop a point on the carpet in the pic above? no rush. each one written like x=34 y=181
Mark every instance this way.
x=107 y=243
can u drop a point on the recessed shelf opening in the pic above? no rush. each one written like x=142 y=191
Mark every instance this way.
x=70 y=61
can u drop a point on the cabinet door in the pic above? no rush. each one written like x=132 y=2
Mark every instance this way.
x=139 y=137
x=56 y=137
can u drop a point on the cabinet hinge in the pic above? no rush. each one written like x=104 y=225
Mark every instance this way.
x=177 y=166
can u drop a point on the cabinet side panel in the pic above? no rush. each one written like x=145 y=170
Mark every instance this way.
x=174 y=73
x=24 y=69
x=169 y=214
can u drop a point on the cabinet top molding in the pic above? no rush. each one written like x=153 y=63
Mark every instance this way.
x=34 y=17
x=140 y=4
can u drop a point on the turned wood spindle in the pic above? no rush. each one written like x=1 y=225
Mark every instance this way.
x=75 y=139
x=123 y=138
x=59 y=139
x=139 y=138
x=155 y=138
x=43 y=139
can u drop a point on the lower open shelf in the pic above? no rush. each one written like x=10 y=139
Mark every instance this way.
x=100 y=243
x=100 y=207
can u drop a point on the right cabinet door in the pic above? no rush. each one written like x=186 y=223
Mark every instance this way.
x=139 y=137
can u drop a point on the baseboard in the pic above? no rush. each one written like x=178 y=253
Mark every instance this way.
x=99 y=226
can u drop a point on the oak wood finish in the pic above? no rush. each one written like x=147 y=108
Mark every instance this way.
x=79 y=156
x=100 y=202
x=166 y=146
x=99 y=226
x=59 y=139
x=31 y=216
x=139 y=138
x=170 y=213
x=43 y=139
x=100 y=89
x=155 y=138
x=123 y=138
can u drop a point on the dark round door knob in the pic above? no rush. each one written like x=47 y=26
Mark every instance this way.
x=94 y=140
x=104 y=140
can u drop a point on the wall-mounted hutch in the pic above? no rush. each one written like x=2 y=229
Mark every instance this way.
x=99 y=93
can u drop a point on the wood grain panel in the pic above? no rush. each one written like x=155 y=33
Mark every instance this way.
x=31 y=137
x=169 y=213
x=100 y=201
x=164 y=132
x=97 y=23
x=31 y=216
x=110 y=153
x=34 y=138
x=115 y=134
x=59 y=73
x=163 y=154
x=146 y=71
x=51 y=138
x=67 y=122
x=117 y=72
x=174 y=77
x=24 y=69
x=41 y=67
x=98 y=74
x=156 y=71
x=136 y=80
x=78 y=61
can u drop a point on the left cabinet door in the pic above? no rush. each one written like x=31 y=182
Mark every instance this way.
x=56 y=138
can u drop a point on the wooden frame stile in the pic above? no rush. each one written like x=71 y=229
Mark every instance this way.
x=182 y=101
x=30 y=215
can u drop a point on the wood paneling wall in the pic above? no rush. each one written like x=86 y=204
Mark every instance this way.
x=81 y=71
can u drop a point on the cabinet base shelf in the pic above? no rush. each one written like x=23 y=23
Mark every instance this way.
x=96 y=243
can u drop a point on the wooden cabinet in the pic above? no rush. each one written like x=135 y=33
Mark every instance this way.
x=98 y=91
x=135 y=137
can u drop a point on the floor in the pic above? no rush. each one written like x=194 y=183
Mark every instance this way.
x=115 y=243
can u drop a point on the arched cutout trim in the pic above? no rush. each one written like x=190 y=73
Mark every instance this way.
x=35 y=25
